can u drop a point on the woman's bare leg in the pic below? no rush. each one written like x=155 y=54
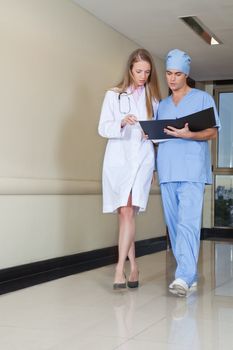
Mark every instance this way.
x=126 y=239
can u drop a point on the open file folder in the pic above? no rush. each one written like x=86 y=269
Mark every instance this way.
x=197 y=121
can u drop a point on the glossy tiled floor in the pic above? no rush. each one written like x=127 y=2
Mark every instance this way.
x=83 y=312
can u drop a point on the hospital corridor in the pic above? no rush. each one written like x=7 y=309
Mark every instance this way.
x=116 y=175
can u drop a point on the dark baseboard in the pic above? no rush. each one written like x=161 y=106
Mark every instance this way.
x=216 y=233
x=19 y=277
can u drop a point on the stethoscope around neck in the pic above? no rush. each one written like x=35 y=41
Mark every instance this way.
x=124 y=103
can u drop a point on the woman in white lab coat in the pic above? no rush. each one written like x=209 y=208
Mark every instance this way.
x=129 y=157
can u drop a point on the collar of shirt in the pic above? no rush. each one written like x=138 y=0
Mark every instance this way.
x=136 y=92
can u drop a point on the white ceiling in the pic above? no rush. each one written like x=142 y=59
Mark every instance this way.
x=155 y=25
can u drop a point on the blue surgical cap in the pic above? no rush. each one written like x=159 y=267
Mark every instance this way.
x=179 y=60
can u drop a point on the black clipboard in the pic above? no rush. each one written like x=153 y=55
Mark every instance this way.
x=197 y=121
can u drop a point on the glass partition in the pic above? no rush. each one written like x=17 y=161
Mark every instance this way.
x=225 y=141
x=223 y=201
x=223 y=160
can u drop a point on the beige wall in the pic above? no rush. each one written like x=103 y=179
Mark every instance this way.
x=56 y=63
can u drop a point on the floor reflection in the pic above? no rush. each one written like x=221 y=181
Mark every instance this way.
x=83 y=312
x=183 y=325
x=223 y=266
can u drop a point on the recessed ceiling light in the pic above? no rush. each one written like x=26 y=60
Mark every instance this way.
x=200 y=29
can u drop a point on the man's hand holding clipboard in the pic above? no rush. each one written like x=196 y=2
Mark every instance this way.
x=164 y=129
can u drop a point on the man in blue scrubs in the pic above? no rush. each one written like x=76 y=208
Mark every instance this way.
x=184 y=168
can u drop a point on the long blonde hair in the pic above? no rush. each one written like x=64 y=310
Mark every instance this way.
x=152 y=90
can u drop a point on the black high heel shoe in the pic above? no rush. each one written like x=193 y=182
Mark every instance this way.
x=119 y=286
x=133 y=284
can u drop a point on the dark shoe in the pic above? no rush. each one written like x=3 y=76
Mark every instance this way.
x=133 y=284
x=119 y=286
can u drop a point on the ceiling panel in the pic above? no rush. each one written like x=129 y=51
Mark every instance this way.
x=156 y=26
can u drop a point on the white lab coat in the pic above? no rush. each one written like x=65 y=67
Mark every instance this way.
x=129 y=159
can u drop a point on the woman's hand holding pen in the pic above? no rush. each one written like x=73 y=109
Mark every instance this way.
x=129 y=119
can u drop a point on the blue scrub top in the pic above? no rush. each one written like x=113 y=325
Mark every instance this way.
x=182 y=159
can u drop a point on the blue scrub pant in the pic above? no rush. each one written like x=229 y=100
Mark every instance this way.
x=182 y=203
